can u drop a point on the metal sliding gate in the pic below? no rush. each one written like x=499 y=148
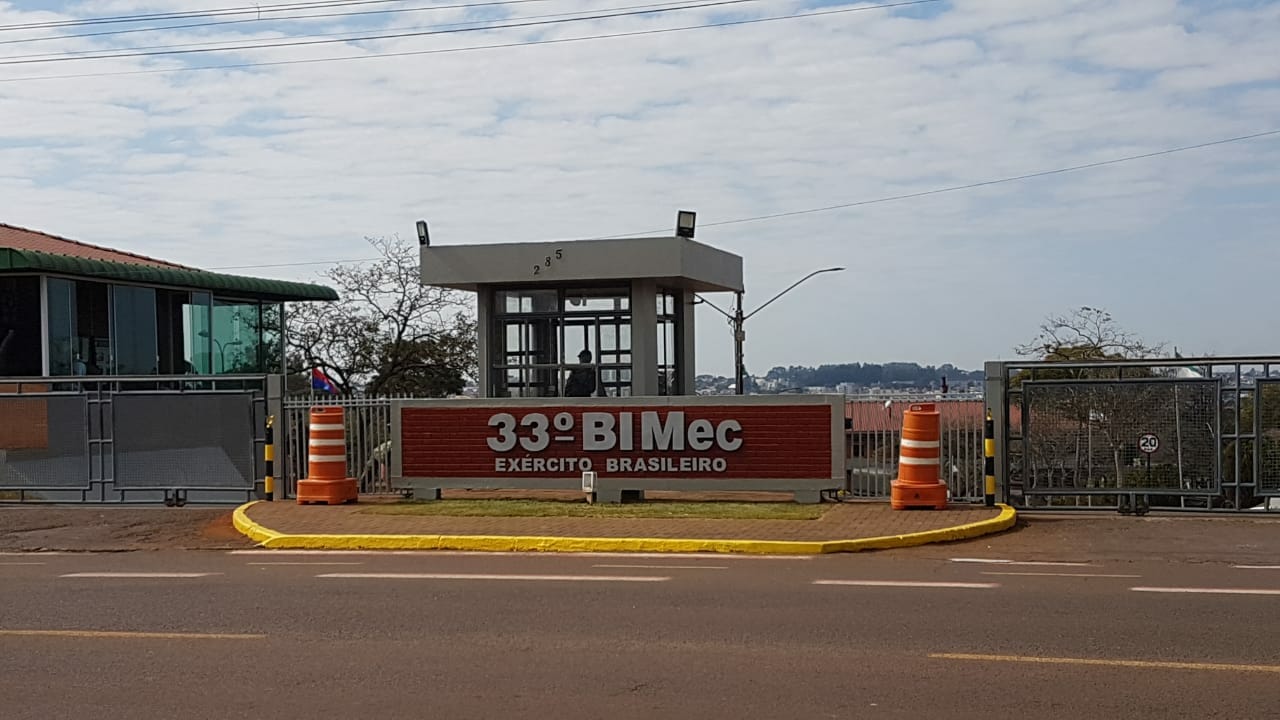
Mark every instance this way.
x=1199 y=434
x=148 y=439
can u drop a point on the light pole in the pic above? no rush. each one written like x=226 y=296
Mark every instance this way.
x=738 y=320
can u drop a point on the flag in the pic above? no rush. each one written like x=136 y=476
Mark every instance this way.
x=320 y=381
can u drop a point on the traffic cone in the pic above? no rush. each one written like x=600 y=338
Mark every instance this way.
x=327 y=460
x=919 y=461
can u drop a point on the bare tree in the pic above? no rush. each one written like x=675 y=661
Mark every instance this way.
x=387 y=332
x=1087 y=333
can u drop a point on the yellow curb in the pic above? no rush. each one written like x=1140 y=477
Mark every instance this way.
x=268 y=538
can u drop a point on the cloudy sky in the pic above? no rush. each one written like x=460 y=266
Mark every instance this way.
x=263 y=167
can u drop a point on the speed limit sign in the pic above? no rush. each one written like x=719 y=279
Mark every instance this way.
x=1148 y=443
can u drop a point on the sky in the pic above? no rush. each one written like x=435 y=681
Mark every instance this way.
x=276 y=170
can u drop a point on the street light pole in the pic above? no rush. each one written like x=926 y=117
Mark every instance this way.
x=738 y=320
x=739 y=337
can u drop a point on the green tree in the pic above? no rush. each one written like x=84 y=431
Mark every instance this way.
x=387 y=333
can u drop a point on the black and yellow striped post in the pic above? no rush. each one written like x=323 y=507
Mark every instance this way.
x=989 y=464
x=269 y=454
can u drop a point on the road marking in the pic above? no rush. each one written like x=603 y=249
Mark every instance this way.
x=137 y=575
x=909 y=583
x=667 y=567
x=1039 y=563
x=30 y=554
x=490 y=576
x=719 y=557
x=20 y=563
x=304 y=563
x=122 y=635
x=1206 y=591
x=1051 y=574
x=1150 y=664
x=1256 y=567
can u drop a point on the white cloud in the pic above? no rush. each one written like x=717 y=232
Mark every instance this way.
x=298 y=162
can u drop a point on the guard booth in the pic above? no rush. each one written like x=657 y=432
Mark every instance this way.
x=585 y=318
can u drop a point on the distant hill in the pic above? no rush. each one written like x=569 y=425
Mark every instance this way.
x=855 y=376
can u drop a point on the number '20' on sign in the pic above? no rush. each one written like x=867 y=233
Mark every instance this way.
x=1149 y=443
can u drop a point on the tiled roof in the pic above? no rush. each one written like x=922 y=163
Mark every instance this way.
x=24 y=239
x=874 y=416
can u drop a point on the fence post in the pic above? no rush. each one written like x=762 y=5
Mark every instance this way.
x=275 y=409
x=269 y=454
x=996 y=396
x=989 y=458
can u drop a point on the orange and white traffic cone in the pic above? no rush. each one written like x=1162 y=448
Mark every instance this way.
x=919 y=461
x=327 y=460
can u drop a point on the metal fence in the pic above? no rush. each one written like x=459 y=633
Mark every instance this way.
x=131 y=439
x=1200 y=434
x=875 y=430
x=369 y=441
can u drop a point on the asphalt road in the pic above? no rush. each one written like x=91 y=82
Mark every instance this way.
x=268 y=634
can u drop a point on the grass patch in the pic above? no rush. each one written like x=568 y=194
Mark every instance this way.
x=650 y=509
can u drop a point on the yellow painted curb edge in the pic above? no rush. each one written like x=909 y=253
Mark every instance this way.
x=268 y=538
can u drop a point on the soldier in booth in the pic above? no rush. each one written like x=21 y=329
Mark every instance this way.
x=582 y=380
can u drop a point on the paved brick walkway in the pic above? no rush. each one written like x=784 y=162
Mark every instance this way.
x=844 y=521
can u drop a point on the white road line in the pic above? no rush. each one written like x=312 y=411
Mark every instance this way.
x=1041 y=563
x=1206 y=591
x=1256 y=567
x=30 y=554
x=137 y=575
x=909 y=583
x=667 y=567
x=305 y=564
x=1050 y=574
x=20 y=563
x=490 y=576
x=719 y=557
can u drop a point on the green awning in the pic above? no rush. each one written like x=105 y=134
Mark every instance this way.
x=12 y=261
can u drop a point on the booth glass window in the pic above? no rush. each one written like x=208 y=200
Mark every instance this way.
x=669 y=339
x=20 y=344
x=572 y=343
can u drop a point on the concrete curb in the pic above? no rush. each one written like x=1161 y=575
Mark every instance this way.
x=268 y=538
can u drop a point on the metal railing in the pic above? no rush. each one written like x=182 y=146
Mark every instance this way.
x=874 y=433
x=369 y=440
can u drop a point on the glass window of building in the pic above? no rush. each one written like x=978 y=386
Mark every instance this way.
x=236 y=336
x=21 y=353
x=197 y=333
x=134 y=331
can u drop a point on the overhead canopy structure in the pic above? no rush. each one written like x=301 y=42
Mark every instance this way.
x=615 y=316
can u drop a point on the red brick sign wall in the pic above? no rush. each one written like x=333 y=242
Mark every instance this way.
x=697 y=441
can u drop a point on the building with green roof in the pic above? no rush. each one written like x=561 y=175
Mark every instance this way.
x=69 y=308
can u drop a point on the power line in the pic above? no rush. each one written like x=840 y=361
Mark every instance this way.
x=215 y=12
x=874 y=201
x=442 y=51
x=288 y=18
x=215 y=42
x=110 y=55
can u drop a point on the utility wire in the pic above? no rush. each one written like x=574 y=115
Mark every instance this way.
x=216 y=42
x=215 y=12
x=497 y=46
x=269 y=21
x=874 y=201
x=109 y=55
